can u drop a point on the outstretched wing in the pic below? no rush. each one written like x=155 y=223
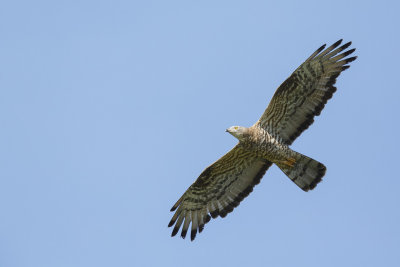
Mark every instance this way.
x=218 y=190
x=304 y=94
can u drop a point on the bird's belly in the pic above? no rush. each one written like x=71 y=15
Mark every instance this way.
x=271 y=150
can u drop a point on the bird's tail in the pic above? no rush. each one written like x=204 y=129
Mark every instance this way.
x=305 y=172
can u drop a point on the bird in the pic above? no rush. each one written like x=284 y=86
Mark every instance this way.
x=224 y=184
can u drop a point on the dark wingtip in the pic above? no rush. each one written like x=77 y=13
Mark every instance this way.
x=349 y=52
x=183 y=233
x=337 y=43
x=201 y=228
x=351 y=59
x=177 y=203
x=171 y=223
x=206 y=220
x=345 y=45
x=321 y=48
x=175 y=231
x=193 y=234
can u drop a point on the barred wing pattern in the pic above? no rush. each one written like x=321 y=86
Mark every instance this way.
x=304 y=94
x=218 y=190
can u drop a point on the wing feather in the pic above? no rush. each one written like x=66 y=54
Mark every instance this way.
x=304 y=94
x=218 y=190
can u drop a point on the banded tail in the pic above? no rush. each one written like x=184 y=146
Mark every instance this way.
x=305 y=172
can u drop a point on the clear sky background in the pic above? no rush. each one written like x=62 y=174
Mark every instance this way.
x=109 y=110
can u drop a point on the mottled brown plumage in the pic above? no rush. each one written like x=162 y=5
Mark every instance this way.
x=224 y=184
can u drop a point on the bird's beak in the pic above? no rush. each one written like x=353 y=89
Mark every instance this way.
x=226 y=130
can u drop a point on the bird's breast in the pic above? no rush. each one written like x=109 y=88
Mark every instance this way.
x=262 y=143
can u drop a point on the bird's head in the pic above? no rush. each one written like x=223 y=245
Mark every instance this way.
x=238 y=131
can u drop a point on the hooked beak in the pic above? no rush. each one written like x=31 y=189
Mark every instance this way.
x=226 y=130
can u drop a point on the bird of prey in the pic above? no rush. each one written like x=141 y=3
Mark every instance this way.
x=224 y=184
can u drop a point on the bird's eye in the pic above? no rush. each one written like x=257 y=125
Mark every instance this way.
x=236 y=127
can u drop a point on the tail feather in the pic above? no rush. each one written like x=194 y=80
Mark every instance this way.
x=305 y=172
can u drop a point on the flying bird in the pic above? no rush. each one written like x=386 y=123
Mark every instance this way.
x=224 y=184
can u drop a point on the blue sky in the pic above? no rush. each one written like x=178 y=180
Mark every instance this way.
x=109 y=110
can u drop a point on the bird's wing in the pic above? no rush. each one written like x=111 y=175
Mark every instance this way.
x=218 y=190
x=304 y=94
